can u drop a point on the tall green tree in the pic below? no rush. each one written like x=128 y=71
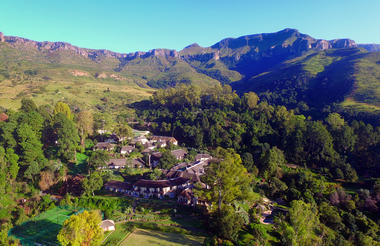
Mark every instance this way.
x=92 y=183
x=82 y=230
x=66 y=136
x=103 y=121
x=98 y=159
x=12 y=161
x=63 y=108
x=302 y=225
x=85 y=123
x=28 y=105
x=167 y=160
x=335 y=121
x=318 y=145
x=251 y=99
x=227 y=223
x=272 y=161
x=123 y=131
x=227 y=178
x=31 y=153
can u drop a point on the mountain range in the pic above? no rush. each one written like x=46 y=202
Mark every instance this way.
x=285 y=67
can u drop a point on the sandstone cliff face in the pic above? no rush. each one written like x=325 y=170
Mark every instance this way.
x=248 y=55
x=60 y=46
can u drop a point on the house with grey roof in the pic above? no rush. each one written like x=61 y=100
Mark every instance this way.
x=126 y=149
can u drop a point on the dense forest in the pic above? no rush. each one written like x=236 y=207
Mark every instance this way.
x=325 y=171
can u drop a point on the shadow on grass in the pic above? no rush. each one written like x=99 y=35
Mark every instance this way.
x=80 y=167
x=41 y=231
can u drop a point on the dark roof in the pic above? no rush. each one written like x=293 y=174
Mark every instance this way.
x=137 y=161
x=127 y=148
x=179 y=166
x=104 y=145
x=118 y=185
x=198 y=157
x=161 y=183
x=164 y=138
x=157 y=154
x=179 y=153
x=117 y=162
x=138 y=139
x=148 y=144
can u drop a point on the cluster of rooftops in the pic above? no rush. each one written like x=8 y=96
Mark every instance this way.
x=178 y=181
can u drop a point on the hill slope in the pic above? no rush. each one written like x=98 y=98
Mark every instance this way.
x=350 y=77
x=285 y=67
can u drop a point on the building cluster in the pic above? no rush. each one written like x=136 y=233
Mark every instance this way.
x=178 y=182
x=149 y=145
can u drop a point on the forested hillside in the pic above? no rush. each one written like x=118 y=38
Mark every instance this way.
x=325 y=172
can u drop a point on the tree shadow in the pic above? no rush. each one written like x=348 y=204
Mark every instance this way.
x=40 y=231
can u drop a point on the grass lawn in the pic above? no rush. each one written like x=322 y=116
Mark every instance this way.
x=43 y=228
x=141 y=237
x=115 y=237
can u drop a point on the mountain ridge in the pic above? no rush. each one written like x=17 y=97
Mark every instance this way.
x=34 y=66
x=321 y=44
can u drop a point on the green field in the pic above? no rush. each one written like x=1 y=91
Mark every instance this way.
x=43 y=228
x=141 y=237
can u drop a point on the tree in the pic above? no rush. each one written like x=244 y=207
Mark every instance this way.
x=248 y=161
x=103 y=121
x=47 y=179
x=123 y=131
x=318 y=145
x=27 y=105
x=251 y=99
x=85 y=123
x=31 y=153
x=66 y=136
x=12 y=160
x=303 y=222
x=335 y=121
x=167 y=160
x=98 y=159
x=272 y=160
x=155 y=174
x=227 y=223
x=227 y=178
x=82 y=229
x=92 y=183
x=63 y=108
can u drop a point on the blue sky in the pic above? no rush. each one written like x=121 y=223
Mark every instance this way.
x=131 y=25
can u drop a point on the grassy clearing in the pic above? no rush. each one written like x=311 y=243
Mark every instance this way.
x=317 y=63
x=146 y=237
x=350 y=102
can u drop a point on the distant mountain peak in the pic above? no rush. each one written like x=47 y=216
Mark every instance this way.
x=291 y=30
x=194 y=45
